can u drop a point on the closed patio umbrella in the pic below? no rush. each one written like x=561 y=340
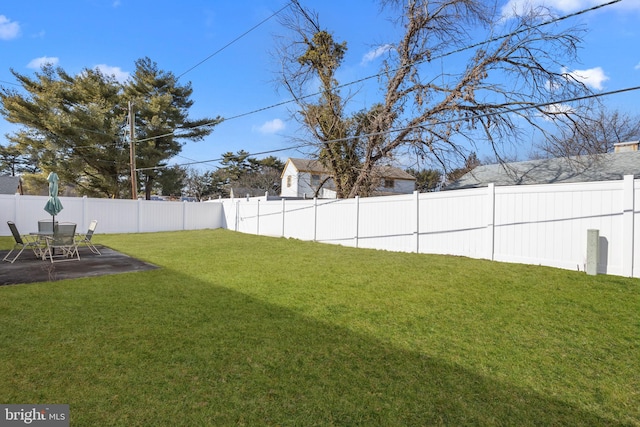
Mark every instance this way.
x=53 y=205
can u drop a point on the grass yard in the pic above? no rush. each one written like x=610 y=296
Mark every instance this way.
x=247 y=330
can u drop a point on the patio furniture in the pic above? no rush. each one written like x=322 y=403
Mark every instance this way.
x=45 y=226
x=22 y=243
x=85 y=239
x=62 y=245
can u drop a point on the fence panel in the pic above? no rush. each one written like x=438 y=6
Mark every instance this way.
x=270 y=218
x=388 y=223
x=635 y=243
x=337 y=221
x=454 y=223
x=113 y=215
x=533 y=224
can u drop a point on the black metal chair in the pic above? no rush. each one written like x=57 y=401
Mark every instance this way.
x=22 y=243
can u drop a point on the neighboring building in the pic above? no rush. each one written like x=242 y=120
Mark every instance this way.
x=10 y=185
x=598 y=167
x=303 y=178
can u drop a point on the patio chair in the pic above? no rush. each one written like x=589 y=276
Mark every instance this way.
x=85 y=239
x=22 y=243
x=45 y=226
x=62 y=245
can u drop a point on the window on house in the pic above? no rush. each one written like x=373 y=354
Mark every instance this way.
x=289 y=181
x=387 y=183
x=315 y=180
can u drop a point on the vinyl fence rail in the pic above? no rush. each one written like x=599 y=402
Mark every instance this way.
x=532 y=224
x=113 y=215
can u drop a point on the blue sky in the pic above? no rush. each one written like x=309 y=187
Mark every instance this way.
x=238 y=76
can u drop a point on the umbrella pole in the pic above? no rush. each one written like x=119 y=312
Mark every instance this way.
x=53 y=228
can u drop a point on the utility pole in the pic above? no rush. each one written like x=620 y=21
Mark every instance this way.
x=132 y=152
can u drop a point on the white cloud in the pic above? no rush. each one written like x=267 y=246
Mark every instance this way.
x=116 y=72
x=37 y=63
x=375 y=53
x=637 y=67
x=8 y=29
x=272 y=126
x=557 y=109
x=521 y=7
x=593 y=77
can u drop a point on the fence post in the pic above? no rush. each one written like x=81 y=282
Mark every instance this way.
x=258 y=219
x=628 y=225
x=416 y=193
x=357 y=236
x=491 y=219
x=315 y=218
x=237 y=214
x=16 y=203
x=139 y=213
x=282 y=234
x=85 y=222
x=184 y=215
x=593 y=252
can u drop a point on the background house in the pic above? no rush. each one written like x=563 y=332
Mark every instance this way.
x=589 y=168
x=304 y=178
x=10 y=185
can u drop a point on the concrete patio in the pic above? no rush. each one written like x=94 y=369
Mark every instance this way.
x=29 y=269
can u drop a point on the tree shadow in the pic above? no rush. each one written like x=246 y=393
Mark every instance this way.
x=232 y=359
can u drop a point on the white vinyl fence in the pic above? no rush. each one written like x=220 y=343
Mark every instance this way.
x=113 y=215
x=533 y=224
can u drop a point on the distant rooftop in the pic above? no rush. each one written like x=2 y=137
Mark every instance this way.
x=600 y=167
x=9 y=184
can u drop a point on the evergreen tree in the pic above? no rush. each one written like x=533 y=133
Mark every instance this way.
x=161 y=118
x=74 y=125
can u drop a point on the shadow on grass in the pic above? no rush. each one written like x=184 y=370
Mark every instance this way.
x=187 y=352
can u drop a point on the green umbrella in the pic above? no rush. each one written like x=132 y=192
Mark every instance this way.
x=53 y=205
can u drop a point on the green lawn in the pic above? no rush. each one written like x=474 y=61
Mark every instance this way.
x=246 y=330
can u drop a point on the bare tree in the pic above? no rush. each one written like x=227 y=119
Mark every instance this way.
x=594 y=133
x=429 y=108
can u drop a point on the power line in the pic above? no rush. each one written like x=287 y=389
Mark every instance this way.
x=173 y=133
x=9 y=83
x=444 y=55
x=234 y=40
x=479 y=116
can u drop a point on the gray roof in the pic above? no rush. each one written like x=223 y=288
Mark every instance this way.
x=600 y=167
x=9 y=184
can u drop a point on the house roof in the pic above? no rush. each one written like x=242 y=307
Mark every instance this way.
x=600 y=167
x=9 y=184
x=314 y=166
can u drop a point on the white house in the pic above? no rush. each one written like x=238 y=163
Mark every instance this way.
x=304 y=178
